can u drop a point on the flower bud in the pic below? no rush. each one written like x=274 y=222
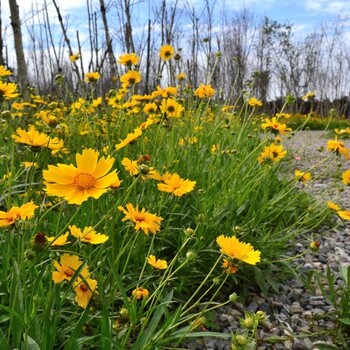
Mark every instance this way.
x=6 y=114
x=233 y=297
x=216 y=281
x=241 y=340
x=248 y=323
x=190 y=255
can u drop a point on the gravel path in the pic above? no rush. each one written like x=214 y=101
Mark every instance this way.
x=298 y=318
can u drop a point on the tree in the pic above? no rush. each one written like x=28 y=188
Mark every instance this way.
x=17 y=34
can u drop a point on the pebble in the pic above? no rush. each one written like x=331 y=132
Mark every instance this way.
x=299 y=317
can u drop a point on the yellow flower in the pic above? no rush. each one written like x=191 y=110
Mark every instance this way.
x=91 y=77
x=150 y=108
x=344 y=214
x=143 y=220
x=28 y=165
x=166 y=52
x=132 y=77
x=176 y=185
x=58 y=241
x=88 y=235
x=333 y=206
x=131 y=166
x=309 y=96
x=254 y=102
x=302 y=176
x=272 y=154
x=344 y=132
x=8 y=90
x=67 y=267
x=171 y=108
x=157 y=263
x=204 y=91
x=346 y=177
x=74 y=57
x=140 y=292
x=181 y=76
x=116 y=184
x=34 y=138
x=338 y=147
x=4 y=72
x=129 y=59
x=164 y=92
x=130 y=138
x=90 y=178
x=274 y=126
x=234 y=249
x=84 y=290
x=26 y=211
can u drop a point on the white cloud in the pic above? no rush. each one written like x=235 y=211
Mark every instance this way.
x=327 y=6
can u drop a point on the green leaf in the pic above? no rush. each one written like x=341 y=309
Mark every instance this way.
x=31 y=344
x=345 y=320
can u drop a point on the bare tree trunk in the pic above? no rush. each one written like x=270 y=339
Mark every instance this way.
x=111 y=58
x=17 y=34
x=2 y=62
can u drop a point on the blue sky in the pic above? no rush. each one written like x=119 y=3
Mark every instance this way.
x=305 y=15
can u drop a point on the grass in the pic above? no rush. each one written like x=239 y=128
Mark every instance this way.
x=234 y=194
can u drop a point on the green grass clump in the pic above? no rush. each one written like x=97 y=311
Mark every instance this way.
x=230 y=182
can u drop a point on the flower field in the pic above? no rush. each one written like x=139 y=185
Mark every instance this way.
x=126 y=218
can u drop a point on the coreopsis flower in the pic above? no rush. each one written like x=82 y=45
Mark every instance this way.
x=58 y=241
x=84 y=290
x=68 y=266
x=274 y=126
x=74 y=57
x=88 y=235
x=181 y=76
x=272 y=154
x=333 y=206
x=157 y=263
x=8 y=90
x=35 y=139
x=302 y=176
x=338 y=147
x=343 y=132
x=166 y=52
x=140 y=292
x=116 y=184
x=150 y=108
x=130 y=78
x=346 y=177
x=165 y=92
x=204 y=91
x=131 y=166
x=4 y=72
x=92 y=77
x=171 y=108
x=143 y=220
x=28 y=165
x=90 y=178
x=309 y=96
x=236 y=250
x=344 y=214
x=131 y=137
x=24 y=212
x=129 y=59
x=254 y=102
x=176 y=185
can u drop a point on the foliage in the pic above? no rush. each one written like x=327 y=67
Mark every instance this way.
x=111 y=209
